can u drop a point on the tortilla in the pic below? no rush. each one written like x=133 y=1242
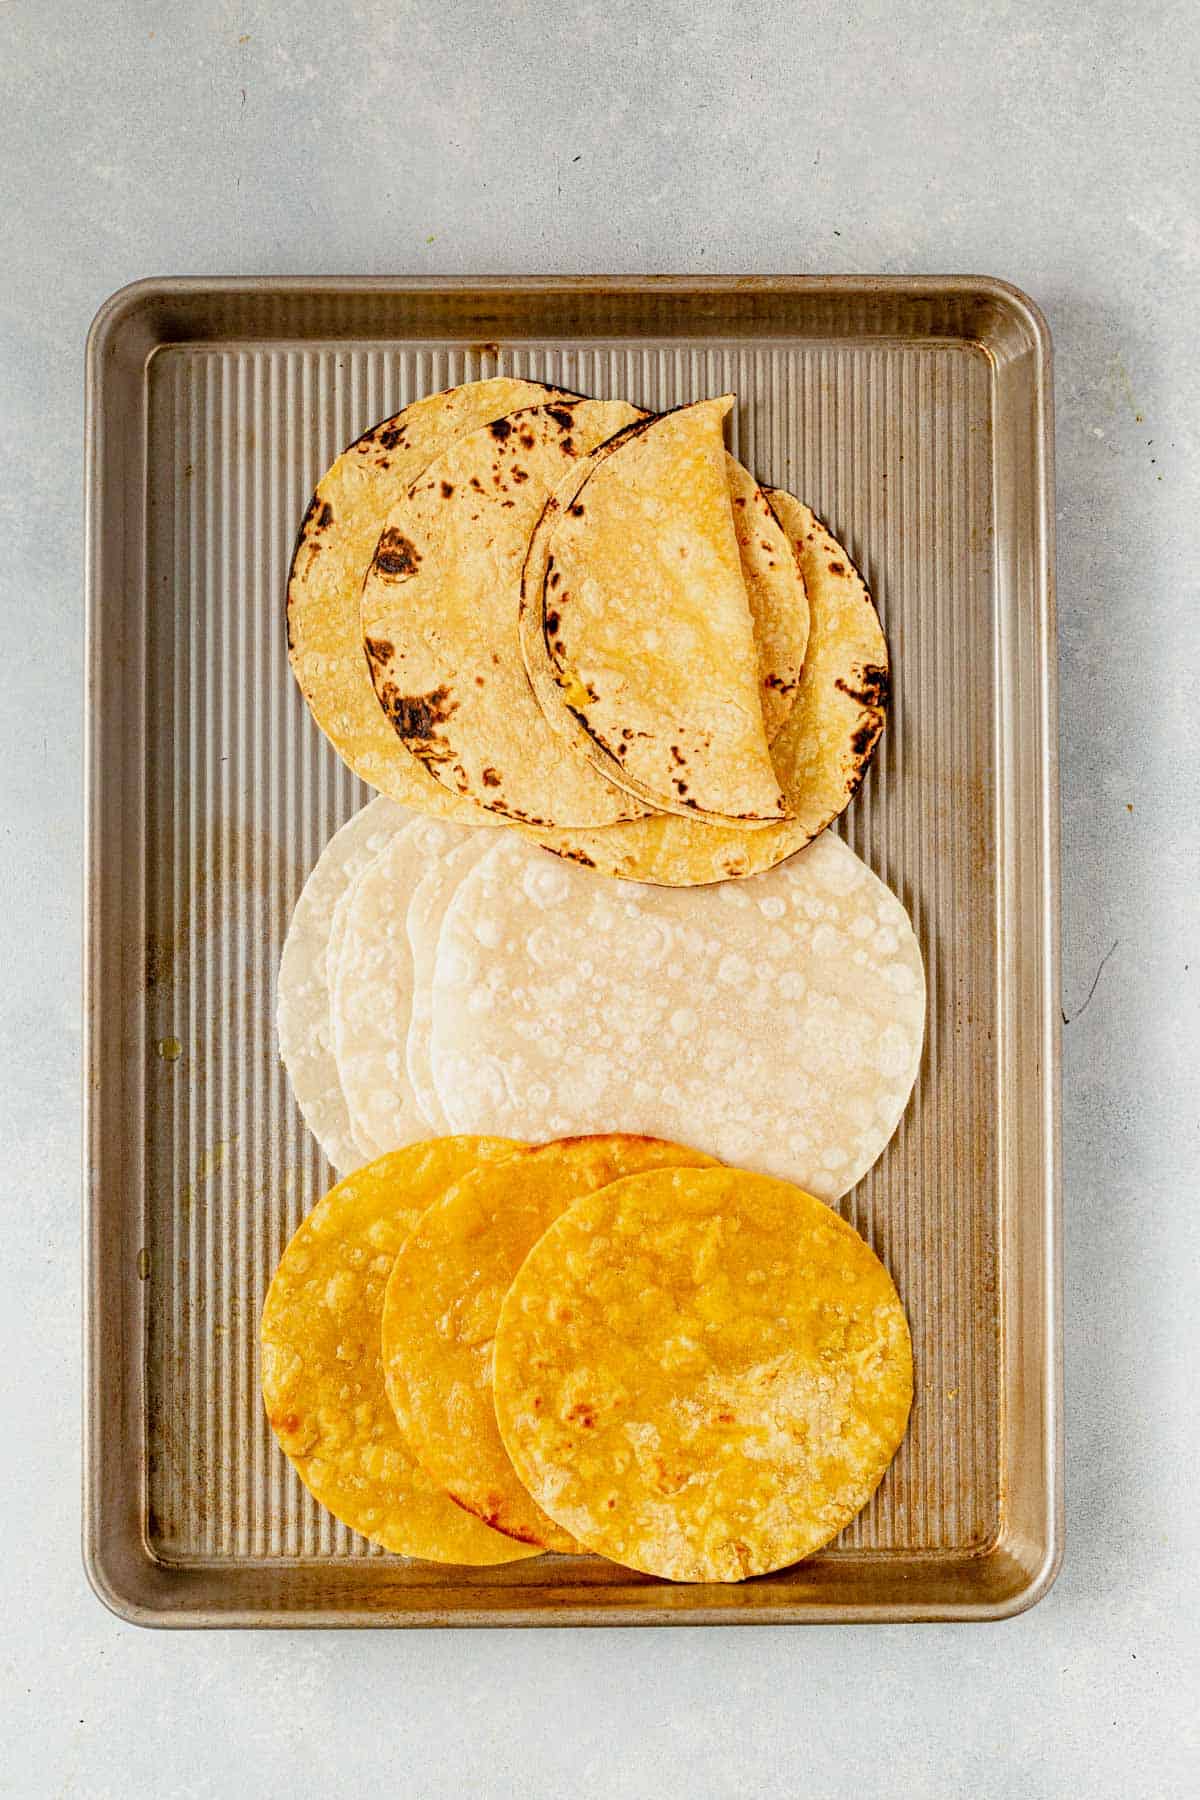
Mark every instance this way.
x=775 y=1022
x=702 y=1374
x=648 y=627
x=303 y=1003
x=443 y=1301
x=774 y=590
x=423 y=923
x=334 y=549
x=776 y=594
x=322 y=1378
x=821 y=754
x=372 y=989
x=439 y=618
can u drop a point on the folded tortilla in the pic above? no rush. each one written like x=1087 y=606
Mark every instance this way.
x=648 y=628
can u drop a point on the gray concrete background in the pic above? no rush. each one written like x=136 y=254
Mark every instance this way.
x=1051 y=143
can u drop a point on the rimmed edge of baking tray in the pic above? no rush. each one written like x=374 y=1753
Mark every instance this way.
x=997 y=1581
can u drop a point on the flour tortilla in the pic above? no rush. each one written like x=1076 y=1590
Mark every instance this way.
x=336 y=543
x=648 y=627
x=372 y=989
x=821 y=754
x=322 y=1376
x=443 y=1301
x=439 y=618
x=303 y=1004
x=423 y=924
x=702 y=1374
x=775 y=1022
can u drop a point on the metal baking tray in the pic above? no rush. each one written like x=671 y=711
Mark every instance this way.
x=915 y=416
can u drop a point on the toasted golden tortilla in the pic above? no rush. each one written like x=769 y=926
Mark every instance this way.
x=443 y=1301
x=336 y=543
x=774 y=590
x=440 y=609
x=821 y=754
x=702 y=1374
x=776 y=593
x=647 y=622
x=322 y=1377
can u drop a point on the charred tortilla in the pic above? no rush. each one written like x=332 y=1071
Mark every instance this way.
x=440 y=612
x=647 y=623
x=337 y=541
x=821 y=755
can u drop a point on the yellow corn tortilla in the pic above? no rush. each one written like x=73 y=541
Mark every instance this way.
x=776 y=593
x=821 y=755
x=443 y=1301
x=647 y=623
x=322 y=1377
x=702 y=1374
x=440 y=610
x=336 y=543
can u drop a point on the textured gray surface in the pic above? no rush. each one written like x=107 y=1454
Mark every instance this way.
x=1051 y=144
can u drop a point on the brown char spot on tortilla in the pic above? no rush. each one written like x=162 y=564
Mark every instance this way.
x=552 y=623
x=324 y=518
x=379 y=652
x=576 y=509
x=837 y=568
x=500 y=429
x=416 y=718
x=562 y=416
x=447 y=490
x=873 y=690
x=397 y=557
x=391 y=436
x=490 y=778
x=866 y=737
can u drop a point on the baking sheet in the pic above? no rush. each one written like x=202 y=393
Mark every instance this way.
x=915 y=417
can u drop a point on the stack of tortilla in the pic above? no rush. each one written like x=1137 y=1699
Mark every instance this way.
x=474 y=1350
x=439 y=978
x=513 y=605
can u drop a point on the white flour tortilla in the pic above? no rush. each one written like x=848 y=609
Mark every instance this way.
x=302 y=1008
x=428 y=904
x=776 y=1022
x=371 y=988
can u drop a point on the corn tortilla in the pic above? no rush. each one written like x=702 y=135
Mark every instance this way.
x=776 y=1023
x=303 y=1013
x=440 y=609
x=648 y=627
x=776 y=593
x=322 y=1377
x=337 y=540
x=702 y=1374
x=443 y=1301
x=821 y=755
